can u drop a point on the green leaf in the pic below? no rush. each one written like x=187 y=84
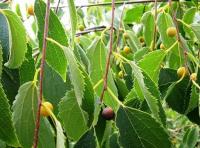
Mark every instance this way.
x=144 y=92
x=175 y=57
x=140 y=53
x=113 y=142
x=138 y=129
x=60 y=137
x=46 y=134
x=76 y=75
x=178 y=95
x=133 y=41
x=27 y=69
x=24 y=113
x=10 y=82
x=7 y=131
x=151 y=63
x=54 y=55
x=134 y=14
x=195 y=28
x=88 y=140
x=2 y=144
x=166 y=78
x=54 y=92
x=24 y=117
x=4 y=37
x=17 y=40
x=74 y=119
x=188 y=18
x=97 y=56
x=148 y=27
x=88 y=99
x=194 y=100
x=190 y=138
x=73 y=18
x=1 y=61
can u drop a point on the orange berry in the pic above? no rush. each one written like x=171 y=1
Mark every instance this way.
x=193 y=77
x=162 y=46
x=43 y=111
x=171 y=31
x=127 y=50
x=30 y=10
x=181 y=71
x=125 y=35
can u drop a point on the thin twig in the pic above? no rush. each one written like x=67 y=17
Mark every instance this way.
x=57 y=6
x=155 y=27
x=116 y=3
x=89 y=30
x=178 y=34
x=110 y=52
x=42 y=73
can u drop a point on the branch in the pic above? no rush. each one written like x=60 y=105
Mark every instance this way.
x=89 y=30
x=105 y=78
x=155 y=27
x=116 y=3
x=56 y=11
x=42 y=74
x=178 y=34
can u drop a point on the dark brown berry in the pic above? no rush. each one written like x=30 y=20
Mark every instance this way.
x=108 y=113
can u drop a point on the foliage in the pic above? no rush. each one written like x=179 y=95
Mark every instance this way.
x=151 y=105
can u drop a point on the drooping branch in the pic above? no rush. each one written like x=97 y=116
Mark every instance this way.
x=105 y=78
x=45 y=35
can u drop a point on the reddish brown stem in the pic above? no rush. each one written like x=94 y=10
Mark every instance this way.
x=45 y=35
x=155 y=27
x=178 y=34
x=105 y=78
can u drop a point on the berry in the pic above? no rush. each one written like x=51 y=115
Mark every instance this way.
x=193 y=77
x=81 y=27
x=162 y=46
x=121 y=74
x=171 y=31
x=141 y=39
x=181 y=71
x=44 y=112
x=125 y=35
x=108 y=113
x=126 y=50
x=121 y=29
x=30 y=10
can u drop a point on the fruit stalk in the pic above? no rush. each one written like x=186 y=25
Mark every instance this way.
x=45 y=35
x=109 y=54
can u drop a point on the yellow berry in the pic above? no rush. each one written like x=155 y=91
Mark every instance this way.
x=121 y=74
x=181 y=71
x=46 y=105
x=193 y=77
x=121 y=29
x=162 y=46
x=171 y=31
x=125 y=35
x=127 y=50
x=81 y=27
x=30 y=10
